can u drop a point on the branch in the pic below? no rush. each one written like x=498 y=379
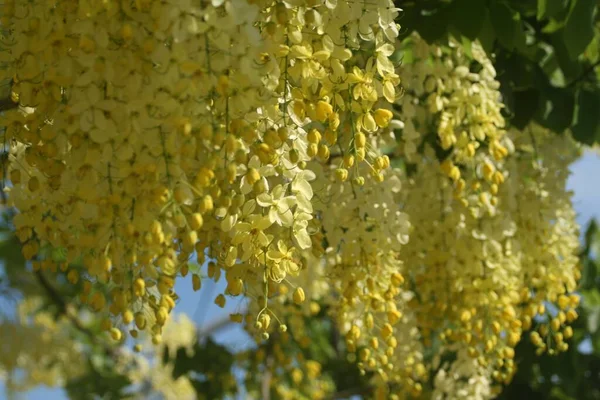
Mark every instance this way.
x=65 y=310
x=584 y=73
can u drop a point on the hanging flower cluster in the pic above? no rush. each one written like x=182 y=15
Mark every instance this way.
x=452 y=102
x=151 y=132
x=258 y=137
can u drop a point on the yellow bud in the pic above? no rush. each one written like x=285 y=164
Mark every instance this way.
x=387 y=331
x=252 y=176
x=235 y=287
x=237 y=318
x=488 y=171
x=312 y=150
x=196 y=282
x=140 y=321
x=341 y=174
x=299 y=296
x=323 y=110
x=374 y=342
x=115 y=334
x=330 y=137
x=195 y=221
x=313 y=136
x=360 y=140
x=446 y=166
x=382 y=117
x=323 y=152
x=568 y=332
x=360 y=154
x=139 y=287
x=265 y=320
x=127 y=317
x=571 y=315
x=397 y=279
x=465 y=316
x=394 y=316
x=161 y=315
x=348 y=160
x=220 y=300
x=563 y=302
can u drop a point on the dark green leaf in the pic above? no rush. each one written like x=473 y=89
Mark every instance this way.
x=101 y=382
x=570 y=68
x=556 y=108
x=579 y=28
x=487 y=35
x=467 y=17
x=586 y=128
x=525 y=106
x=504 y=23
x=550 y=8
x=433 y=26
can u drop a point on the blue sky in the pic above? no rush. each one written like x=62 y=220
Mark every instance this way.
x=583 y=182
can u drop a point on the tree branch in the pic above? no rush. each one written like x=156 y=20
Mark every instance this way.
x=65 y=310
x=585 y=73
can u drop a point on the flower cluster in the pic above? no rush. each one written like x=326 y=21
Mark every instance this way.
x=152 y=132
x=452 y=102
x=255 y=137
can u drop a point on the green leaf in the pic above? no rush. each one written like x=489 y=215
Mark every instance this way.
x=467 y=17
x=525 y=106
x=550 y=8
x=571 y=68
x=579 y=27
x=466 y=44
x=487 y=35
x=434 y=26
x=98 y=382
x=505 y=24
x=586 y=128
x=556 y=108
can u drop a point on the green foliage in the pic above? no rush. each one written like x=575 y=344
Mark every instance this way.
x=546 y=54
x=208 y=366
x=101 y=381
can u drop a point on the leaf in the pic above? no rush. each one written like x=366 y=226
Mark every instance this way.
x=525 y=106
x=556 y=108
x=504 y=23
x=549 y=8
x=98 y=382
x=487 y=35
x=466 y=44
x=570 y=68
x=467 y=16
x=586 y=128
x=433 y=26
x=590 y=233
x=579 y=27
